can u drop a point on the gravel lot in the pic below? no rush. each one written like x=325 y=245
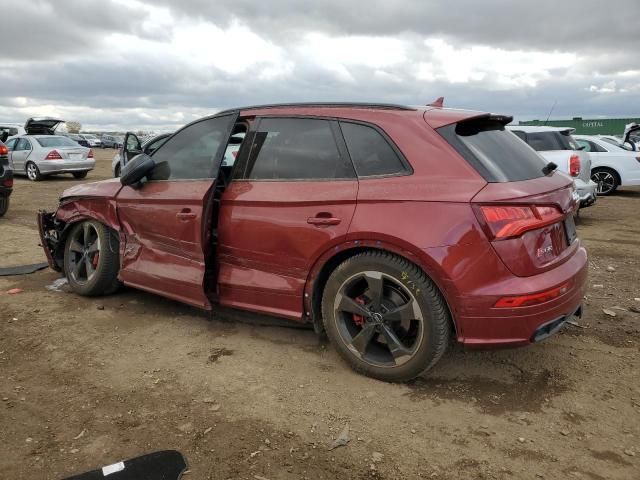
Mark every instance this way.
x=87 y=382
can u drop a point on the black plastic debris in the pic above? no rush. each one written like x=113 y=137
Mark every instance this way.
x=22 y=269
x=163 y=465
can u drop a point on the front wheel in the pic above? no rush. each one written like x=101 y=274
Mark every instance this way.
x=4 y=205
x=91 y=259
x=385 y=316
x=606 y=179
x=80 y=174
x=33 y=172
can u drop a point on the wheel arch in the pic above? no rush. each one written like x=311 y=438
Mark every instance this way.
x=613 y=170
x=326 y=263
x=70 y=212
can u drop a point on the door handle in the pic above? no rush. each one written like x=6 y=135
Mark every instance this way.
x=185 y=214
x=323 y=221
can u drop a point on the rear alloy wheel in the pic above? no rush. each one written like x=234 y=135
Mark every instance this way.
x=91 y=259
x=80 y=174
x=606 y=179
x=4 y=205
x=33 y=172
x=385 y=316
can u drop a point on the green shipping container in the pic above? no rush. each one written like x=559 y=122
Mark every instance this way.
x=583 y=126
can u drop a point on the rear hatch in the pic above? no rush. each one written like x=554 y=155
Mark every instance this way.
x=63 y=148
x=42 y=125
x=525 y=211
x=629 y=130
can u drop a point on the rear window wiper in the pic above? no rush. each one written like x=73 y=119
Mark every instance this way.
x=549 y=167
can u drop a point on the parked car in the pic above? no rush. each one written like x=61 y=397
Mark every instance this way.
x=12 y=129
x=79 y=139
x=389 y=227
x=39 y=154
x=135 y=147
x=6 y=178
x=631 y=136
x=93 y=140
x=557 y=145
x=110 y=141
x=611 y=166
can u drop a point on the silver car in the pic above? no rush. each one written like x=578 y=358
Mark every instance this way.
x=37 y=156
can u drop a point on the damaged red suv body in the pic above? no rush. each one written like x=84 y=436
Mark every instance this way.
x=389 y=227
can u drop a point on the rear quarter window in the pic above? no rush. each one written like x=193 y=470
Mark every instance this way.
x=371 y=153
x=496 y=153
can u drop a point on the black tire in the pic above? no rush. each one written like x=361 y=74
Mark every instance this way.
x=90 y=274
x=33 y=172
x=117 y=172
x=607 y=179
x=4 y=205
x=418 y=343
x=80 y=174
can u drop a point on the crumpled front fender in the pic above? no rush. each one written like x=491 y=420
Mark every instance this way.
x=50 y=235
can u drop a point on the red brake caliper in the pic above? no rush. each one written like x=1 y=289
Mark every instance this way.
x=94 y=260
x=359 y=319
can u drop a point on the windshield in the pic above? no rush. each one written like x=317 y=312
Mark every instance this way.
x=496 y=153
x=56 y=142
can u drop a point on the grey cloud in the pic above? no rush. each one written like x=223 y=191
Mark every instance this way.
x=61 y=65
x=575 y=25
x=46 y=29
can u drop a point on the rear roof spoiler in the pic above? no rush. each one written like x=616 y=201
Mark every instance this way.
x=503 y=119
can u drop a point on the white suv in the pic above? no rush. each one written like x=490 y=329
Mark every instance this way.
x=557 y=145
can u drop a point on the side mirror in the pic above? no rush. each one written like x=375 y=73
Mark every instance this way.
x=136 y=169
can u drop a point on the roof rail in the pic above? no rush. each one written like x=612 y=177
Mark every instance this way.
x=382 y=106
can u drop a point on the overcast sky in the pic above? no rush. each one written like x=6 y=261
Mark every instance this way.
x=118 y=64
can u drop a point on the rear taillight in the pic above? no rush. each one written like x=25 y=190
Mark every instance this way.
x=574 y=165
x=53 y=155
x=534 y=298
x=508 y=221
x=3 y=150
x=8 y=183
x=90 y=154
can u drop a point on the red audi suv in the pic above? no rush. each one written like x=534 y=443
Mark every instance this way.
x=391 y=228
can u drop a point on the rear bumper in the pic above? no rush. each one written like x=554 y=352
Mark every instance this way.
x=482 y=325
x=586 y=192
x=66 y=166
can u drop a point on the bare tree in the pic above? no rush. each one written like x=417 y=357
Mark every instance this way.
x=74 y=127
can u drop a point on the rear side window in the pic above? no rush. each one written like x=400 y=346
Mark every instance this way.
x=56 y=142
x=370 y=152
x=496 y=153
x=549 y=141
x=296 y=149
x=590 y=146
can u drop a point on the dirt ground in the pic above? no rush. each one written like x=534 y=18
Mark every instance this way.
x=88 y=382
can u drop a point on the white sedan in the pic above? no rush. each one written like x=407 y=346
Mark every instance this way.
x=611 y=165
